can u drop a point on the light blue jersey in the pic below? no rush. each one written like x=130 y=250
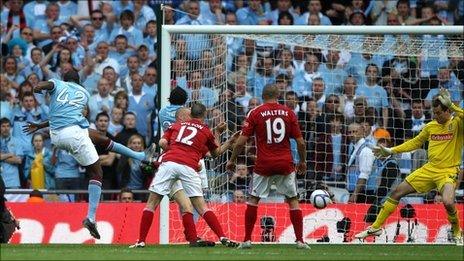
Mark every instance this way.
x=167 y=115
x=67 y=101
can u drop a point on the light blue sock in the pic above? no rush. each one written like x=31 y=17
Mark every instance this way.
x=123 y=150
x=94 y=198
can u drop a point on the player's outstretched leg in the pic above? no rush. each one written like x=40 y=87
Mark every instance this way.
x=212 y=221
x=448 y=196
x=94 y=190
x=388 y=208
x=110 y=145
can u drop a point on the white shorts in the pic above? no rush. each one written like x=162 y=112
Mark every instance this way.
x=77 y=142
x=261 y=185
x=169 y=172
x=203 y=175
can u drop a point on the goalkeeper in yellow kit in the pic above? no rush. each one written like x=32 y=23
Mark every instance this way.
x=445 y=134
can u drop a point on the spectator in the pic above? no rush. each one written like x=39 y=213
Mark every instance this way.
x=241 y=95
x=212 y=10
x=150 y=40
x=69 y=175
x=113 y=79
x=376 y=95
x=15 y=15
x=55 y=35
x=404 y=12
x=121 y=53
x=197 y=92
x=97 y=20
x=102 y=60
x=11 y=154
x=446 y=82
x=107 y=158
x=347 y=99
x=133 y=67
x=359 y=167
x=303 y=80
x=252 y=14
x=126 y=195
x=144 y=58
x=133 y=34
x=381 y=10
x=264 y=75
x=128 y=170
x=28 y=111
x=332 y=74
x=150 y=85
x=102 y=101
x=129 y=122
x=141 y=104
x=7 y=100
x=38 y=168
x=121 y=100
x=115 y=124
x=314 y=8
x=240 y=178
x=239 y=197
x=42 y=28
x=12 y=72
x=318 y=92
x=35 y=197
x=142 y=14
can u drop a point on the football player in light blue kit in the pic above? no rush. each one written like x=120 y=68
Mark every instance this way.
x=69 y=131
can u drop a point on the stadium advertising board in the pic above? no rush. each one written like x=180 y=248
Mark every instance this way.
x=118 y=223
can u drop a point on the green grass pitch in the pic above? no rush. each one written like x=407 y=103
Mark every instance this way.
x=258 y=252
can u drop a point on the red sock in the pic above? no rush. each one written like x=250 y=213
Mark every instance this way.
x=213 y=223
x=251 y=213
x=297 y=220
x=145 y=224
x=189 y=226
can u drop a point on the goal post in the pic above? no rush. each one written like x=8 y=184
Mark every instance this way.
x=305 y=36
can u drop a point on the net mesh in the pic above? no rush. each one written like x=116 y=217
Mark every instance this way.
x=379 y=87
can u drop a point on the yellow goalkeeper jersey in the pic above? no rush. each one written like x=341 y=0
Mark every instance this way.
x=445 y=142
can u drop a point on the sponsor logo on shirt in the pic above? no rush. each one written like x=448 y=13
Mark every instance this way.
x=441 y=137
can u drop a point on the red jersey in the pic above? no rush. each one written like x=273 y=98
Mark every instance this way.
x=273 y=125
x=189 y=141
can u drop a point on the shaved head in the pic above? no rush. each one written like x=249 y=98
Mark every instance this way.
x=183 y=114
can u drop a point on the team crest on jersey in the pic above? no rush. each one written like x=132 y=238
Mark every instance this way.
x=441 y=137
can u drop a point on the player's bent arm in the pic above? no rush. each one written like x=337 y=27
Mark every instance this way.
x=414 y=143
x=459 y=112
x=164 y=144
x=239 y=146
x=301 y=147
x=14 y=160
x=44 y=85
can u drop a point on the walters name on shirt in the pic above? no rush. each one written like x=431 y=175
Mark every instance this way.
x=274 y=113
x=441 y=137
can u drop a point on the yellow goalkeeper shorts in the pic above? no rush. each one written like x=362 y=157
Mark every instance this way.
x=423 y=180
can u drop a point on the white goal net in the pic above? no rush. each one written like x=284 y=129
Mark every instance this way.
x=345 y=88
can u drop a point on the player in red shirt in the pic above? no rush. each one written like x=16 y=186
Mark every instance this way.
x=185 y=144
x=273 y=125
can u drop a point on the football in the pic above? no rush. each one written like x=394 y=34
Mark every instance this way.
x=320 y=199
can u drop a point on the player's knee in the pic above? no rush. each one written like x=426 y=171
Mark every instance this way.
x=448 y=202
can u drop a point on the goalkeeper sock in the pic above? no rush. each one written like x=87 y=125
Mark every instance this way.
x=189 y=226
x=454 y=220
x=251 y=213
x=94 y=198
x=297 y=221
x=213 y=223
x=123 y=150
x=387 y=209
x=145 y=224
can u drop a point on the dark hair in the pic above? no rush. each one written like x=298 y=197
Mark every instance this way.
x=282 y=78
x=285 y=14
x=102 y=114
x=178 y=96
x=120 y=36
x=436 y=102
x=403 y=2
x=126 y=190
x=127 y=14
x=71 y=76
x=36 y=134
x=35 y=193
x=5 y=120
x=198 y=110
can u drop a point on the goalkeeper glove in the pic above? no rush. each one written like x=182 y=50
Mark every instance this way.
x=381 y=151
x=445 y=98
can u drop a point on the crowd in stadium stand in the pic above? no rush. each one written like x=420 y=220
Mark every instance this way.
x=113 y=45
